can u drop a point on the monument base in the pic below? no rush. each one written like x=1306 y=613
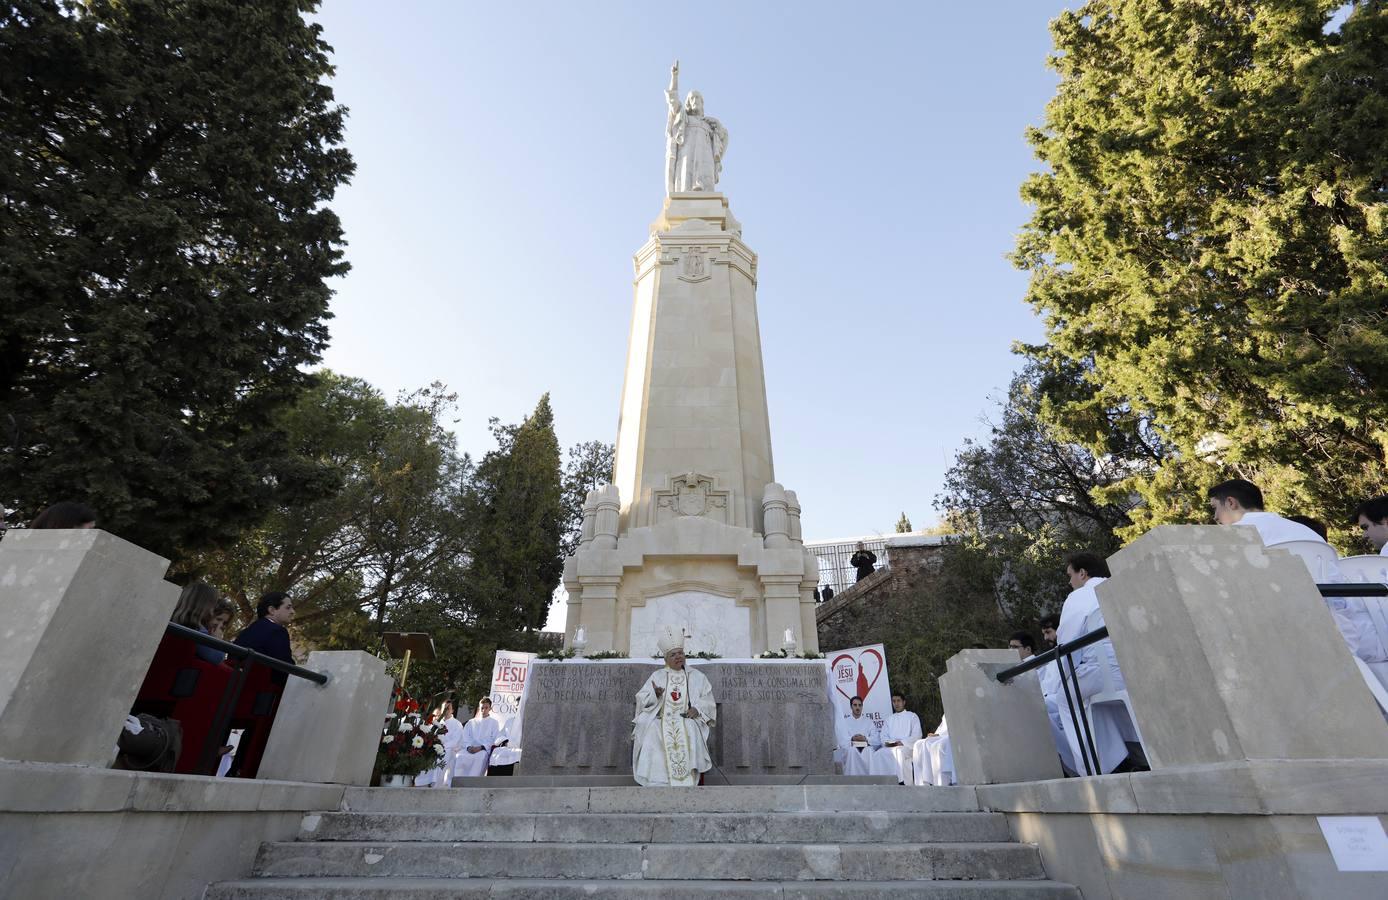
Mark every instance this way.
x=774 y=717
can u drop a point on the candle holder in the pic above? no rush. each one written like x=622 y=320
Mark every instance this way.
x=789 y=647
x=579 y=645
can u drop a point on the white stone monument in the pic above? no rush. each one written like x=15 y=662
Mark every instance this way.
x=695 y=533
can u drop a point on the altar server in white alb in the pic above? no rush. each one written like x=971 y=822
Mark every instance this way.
x=1096 y=668
x=479 y=734
x=451 y=734
x=1049 y=678
x=933 y=758
x=674 y=710
x=857 y=740
x=1362 y=625
x=899 y=738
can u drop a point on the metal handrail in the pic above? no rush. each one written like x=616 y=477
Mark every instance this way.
x=221 y=720
x=1053 y=654
x=236 y=651
x=1067 y=650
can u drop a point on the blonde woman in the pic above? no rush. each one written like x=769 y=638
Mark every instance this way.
x=196 y=607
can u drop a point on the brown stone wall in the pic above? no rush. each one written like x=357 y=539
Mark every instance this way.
x=907 y=606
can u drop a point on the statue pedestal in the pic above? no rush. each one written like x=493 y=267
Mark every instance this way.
x=774 y=716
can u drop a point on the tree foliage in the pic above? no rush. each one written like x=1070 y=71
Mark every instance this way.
x=589 y=468
x=1025 y=498
x=164 y=251
x=1210 y=246
x=370 y=521
x=903 y=524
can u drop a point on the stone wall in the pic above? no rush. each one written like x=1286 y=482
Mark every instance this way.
x=905 y=606
x=773 y=716
x=76 y=831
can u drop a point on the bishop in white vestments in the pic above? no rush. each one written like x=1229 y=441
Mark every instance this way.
x=479 y=734
x=674 y=710
x=899 y=738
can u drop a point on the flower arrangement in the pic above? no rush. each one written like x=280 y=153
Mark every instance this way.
x=781 y=654
x=409 y=745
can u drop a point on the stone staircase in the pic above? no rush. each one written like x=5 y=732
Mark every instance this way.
x=529 y=843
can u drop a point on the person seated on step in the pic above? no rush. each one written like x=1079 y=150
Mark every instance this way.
x=933 y=758
x=1051 y=692
x=674 y=710
x=858 y=739
x=1239 y=502
x=1096 y=669
x=899 y=738
x=476 y=742
x=1372 y=518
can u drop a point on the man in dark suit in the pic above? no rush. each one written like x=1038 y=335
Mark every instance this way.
x=267 y=634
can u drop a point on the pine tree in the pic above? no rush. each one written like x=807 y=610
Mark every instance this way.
x=164 y=253
x=1210 y=245
x=903 y=524
x=517 y=516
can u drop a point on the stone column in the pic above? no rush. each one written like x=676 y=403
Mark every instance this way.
x=782 y=599
x=1000 y=733
x=599 y=611
x=775 y=517
x=793 y=519
x=330 y=732
x=84 y=612
x=1229 y=653
x=608 y=511
x=590 y=517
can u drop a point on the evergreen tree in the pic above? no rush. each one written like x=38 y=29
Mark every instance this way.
x=517 y=517
x=164 y=255
x=1210 y=246
x=589 y=468
x=370 y=525
x=903 y=524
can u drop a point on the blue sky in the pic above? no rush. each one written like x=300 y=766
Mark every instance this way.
x=510 y=158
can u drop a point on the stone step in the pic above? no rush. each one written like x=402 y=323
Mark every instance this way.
x=749 y=798
x=652 y=862
x=539 y=889
x=642 y=828
x=715 y=777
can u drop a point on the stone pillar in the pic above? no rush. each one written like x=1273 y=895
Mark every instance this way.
x=84 y=612
x=330 y=732
x=782 y=599
x=607 y=518
x=590 y=517
x=599 y=612
x=775 y=517
x=1000 y=733
x=793 y=516
x=1229 y=653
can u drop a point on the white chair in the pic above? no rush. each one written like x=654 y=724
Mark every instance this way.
x=1360 y=569
x=1320 y=558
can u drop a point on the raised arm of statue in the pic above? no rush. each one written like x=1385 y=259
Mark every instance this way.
x=672 y=93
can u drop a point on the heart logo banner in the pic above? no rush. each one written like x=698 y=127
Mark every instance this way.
x=860 y=672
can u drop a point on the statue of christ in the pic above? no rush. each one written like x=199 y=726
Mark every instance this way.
x=694 y=142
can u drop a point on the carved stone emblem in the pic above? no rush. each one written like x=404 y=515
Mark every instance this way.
x=691 y=495
x=695 y=265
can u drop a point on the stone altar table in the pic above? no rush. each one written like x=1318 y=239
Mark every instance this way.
x=774 y=716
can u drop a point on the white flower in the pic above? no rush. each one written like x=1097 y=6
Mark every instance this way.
x=427 y=729
x=404 y=726
x=417 y=742
x=438 y=748
x=386 y=739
